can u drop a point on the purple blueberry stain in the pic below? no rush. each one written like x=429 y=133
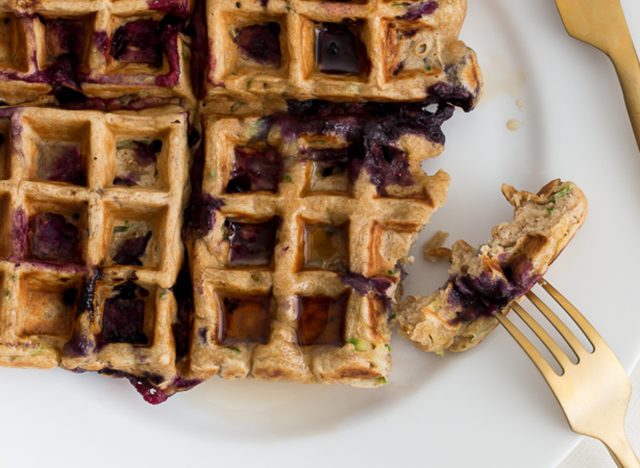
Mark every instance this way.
x=138 y=159
x=101 y=39
x=138 y=41
x=199 y=63
x=260 y=43
x=145 y=152
x=65 y=39
x=171 y=27
x=202 y=335
x=251 y=244
x=149 y=392
x=418 y=10
x=364 y=285
x=489 y=292
x=207 y=213
x=64 y=36
x=180 y=383
x=255 y=170
x=78 y=346
x=52 y=238
x=200 y=215
x=174 y=7
x=147 y=385
x=61 y=162
x=124 y=314
x=181 y=328
x=130 y=250
x=371 y=131
x=452 y=94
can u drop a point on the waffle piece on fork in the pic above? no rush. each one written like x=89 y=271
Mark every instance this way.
x=484 y=281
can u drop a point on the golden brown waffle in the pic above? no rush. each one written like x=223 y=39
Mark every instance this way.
x=92 y=209
x=94 y=53
x=484 y=281
x=343 y=51
x=300 y=220
x=299 y=256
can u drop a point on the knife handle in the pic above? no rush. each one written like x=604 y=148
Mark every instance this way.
x=625 y=60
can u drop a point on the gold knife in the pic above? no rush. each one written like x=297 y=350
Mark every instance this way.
x=601 y=23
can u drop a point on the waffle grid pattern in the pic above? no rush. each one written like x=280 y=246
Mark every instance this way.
x=407 y=52
x=85 y=29
x=295 y=277
x=380 y=232
x=38 y=306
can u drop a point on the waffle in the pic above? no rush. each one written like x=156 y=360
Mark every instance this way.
x=343 y=51
x=300 y=244
x=92 y=206
x=486 y=280
x=94 y=54
x=306 y=189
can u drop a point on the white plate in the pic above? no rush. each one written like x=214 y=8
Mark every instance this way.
x=485 y=408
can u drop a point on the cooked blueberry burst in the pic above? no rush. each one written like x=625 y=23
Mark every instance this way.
x=131 y=250
x=260 y=43
x=245 y=320
x=370 y=131
x=61 y=162
x=418 y=10
x=339 y=49
x=129 y=243
x=123 y=315
x=321 y=320
x=255 y=169
x=64 y=36
x=138 y=41
x=251 y=244
x=136 y=162
x=54 y=238
x=65 y=39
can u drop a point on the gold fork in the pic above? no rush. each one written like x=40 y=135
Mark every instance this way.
x=601 y=23
x=593 y=393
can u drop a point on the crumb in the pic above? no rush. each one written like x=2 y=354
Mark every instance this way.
x=520 y=103
x=433 y=250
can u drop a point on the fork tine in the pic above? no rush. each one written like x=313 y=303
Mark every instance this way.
x=541 y=363
x=542 y=334
x=558 y=324
x=592 y=335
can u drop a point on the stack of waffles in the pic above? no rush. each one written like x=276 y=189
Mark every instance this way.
x=220 y=188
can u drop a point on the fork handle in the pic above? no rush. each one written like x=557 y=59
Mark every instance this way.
x=621 y=451
x=625 y=60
